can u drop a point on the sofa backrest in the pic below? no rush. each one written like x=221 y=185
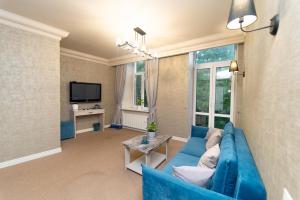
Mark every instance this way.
x=249 y=184
x=228 y=129
x=225 y=175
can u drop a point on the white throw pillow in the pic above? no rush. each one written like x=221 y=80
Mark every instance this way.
x=211 y=131
x=193 y=174
x=214 y=138
x=210 y=158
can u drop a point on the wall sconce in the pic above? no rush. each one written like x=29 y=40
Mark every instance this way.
x=243 y=13
x=234 y=68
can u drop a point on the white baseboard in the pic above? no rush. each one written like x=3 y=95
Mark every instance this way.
x=29 y=158
x=84 y=130
x=107 y=126
x=89 y=129
x=181 y=139
x=134 y=129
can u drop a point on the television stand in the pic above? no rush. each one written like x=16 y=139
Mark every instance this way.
x=78 y=113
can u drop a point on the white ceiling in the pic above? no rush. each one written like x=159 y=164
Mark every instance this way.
x=94 y=25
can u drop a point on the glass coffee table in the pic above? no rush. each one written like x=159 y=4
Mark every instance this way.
x=150 y=157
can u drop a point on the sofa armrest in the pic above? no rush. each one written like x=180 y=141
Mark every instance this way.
x=199 y=131
x=158 y=185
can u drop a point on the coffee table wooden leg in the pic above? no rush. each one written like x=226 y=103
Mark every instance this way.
x=127 y=156
x=167 y=150
x=147 y=159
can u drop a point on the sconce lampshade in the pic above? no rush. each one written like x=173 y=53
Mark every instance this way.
x=242 y=11
x=234 y=66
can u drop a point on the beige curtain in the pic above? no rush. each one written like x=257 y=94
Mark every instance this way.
x=119 y=93
x=151 y=80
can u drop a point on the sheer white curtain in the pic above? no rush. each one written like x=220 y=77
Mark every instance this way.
x=119 y=92
x=151 y=81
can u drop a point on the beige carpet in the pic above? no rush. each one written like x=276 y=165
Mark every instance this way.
x=89 y=168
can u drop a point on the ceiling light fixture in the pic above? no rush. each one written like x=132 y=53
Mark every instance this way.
x=138 y=46
x=243 y=13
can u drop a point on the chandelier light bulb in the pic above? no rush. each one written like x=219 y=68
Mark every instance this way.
x=136 y=46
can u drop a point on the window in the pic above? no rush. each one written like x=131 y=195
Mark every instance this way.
x=140 y=96
x=215 y=54
x=213 y=87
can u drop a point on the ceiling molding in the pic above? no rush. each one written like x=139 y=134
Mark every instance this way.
x=185 y=47
x=83 y=56
x=17 y=21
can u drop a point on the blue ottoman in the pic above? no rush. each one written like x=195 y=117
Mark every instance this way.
x=66 y=130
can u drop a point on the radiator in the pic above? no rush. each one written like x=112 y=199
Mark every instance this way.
x=137 y=120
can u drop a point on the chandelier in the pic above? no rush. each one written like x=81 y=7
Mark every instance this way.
x=138 y=45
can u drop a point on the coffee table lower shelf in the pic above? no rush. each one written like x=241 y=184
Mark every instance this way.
x=154 y=159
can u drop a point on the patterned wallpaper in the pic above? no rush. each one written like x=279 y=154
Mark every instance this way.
x=73 y=69
x=30 y=103
x=173 y=105
x=271 y=96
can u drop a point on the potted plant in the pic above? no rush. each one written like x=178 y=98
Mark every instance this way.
x=139 y=103
x=151 y=130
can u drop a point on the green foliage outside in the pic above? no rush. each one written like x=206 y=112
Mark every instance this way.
x=140 y=66
x=139 y=102
x=215 y=54
x=202 y=90
x=221 y=121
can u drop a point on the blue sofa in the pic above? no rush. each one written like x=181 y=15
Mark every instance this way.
x=236 y=175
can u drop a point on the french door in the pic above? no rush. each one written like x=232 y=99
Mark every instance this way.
x=213 y=94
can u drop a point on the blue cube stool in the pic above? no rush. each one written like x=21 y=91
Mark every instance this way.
x=116 y=126
x=67 y=130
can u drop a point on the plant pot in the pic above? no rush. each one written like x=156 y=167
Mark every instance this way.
x=139 y=107
x=151 y=135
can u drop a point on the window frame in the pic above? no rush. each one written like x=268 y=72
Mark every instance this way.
x=143 y=88
x=211 y=113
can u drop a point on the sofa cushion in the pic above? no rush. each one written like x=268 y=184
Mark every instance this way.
x=199 y=131
x=194 y=174
x=228 y=128
x=181 y=159
x=249 y=184
x=225 y=175
x=195 y=147
x=210 y=158
x=214 y=139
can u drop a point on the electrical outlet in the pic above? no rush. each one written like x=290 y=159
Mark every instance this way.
x=286 y=195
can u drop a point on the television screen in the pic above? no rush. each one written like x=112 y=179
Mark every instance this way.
x=85 y=92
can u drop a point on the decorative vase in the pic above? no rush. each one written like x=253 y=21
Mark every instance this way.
x=151 y=135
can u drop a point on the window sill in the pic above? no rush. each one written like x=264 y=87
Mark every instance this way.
x=143 y=110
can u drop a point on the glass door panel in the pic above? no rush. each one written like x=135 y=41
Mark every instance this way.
x=222 y=102
x=223 y=90
x=221 y=121
x=202 y=120
x=203 y=97
x=213 y=83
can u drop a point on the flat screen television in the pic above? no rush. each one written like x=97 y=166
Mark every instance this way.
x=85 y=92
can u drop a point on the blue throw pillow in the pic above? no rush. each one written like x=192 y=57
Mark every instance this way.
x=199 y=131
x=228 y=128
x=225 y=176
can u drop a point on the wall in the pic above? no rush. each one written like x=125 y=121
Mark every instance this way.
x=30 y=105
x=271 y=96
x=73 y=69
x=174 y=92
